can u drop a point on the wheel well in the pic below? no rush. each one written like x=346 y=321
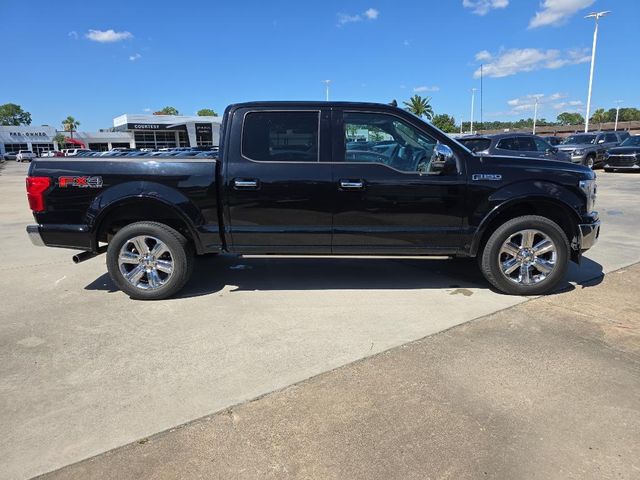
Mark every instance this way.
x=551 y=210
x=141 y=210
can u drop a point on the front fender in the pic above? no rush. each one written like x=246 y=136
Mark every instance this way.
x=543 y=193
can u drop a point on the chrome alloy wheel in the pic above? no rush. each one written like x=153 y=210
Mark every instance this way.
x=145 y=262
x=527 y=257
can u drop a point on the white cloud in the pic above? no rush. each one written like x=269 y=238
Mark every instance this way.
x=146 y=109
x=108 y=36
x=510 y=62
x=134 y=57
x=557 y=12
x=73 y=34
x=425 y=88
x=483 y=56
x=482 y=7
x=369 y=14
x=526 y=103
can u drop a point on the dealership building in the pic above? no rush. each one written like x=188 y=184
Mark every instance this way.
x=129 y=130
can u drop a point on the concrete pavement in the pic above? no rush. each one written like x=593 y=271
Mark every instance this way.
x=83 y=369
x=548 y=389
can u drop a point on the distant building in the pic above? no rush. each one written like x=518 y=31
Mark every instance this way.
x=129 y=130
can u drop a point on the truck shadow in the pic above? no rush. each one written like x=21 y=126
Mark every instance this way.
x=215 y=273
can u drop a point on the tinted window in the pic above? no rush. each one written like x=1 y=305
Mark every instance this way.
x=579 y=139
x=508 y=144
x=631 y=142
x=475 y=144
x=281 y=136
x=541 y=145
x=385 y=139
x=526 y=144
x=610 y=138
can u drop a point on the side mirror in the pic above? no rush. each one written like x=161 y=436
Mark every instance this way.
x=601 y=140
x=443 y=161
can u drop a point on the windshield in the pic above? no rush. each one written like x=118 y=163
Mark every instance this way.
x=579 y=139
x=631 y=142
x=475 y=144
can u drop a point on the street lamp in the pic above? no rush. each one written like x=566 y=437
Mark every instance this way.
x=535 y=114
x=327 y=82
x=618 y=102
x=597 y=16
x=473 y=97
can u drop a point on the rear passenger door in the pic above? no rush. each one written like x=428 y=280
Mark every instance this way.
x=278 y=188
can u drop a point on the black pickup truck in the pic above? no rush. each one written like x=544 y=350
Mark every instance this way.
x=321 y=178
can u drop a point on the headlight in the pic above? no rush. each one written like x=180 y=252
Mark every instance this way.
x=590 y=190
x=578 y=151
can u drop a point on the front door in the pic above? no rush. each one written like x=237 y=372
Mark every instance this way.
x=279 y=196
x=393 y=196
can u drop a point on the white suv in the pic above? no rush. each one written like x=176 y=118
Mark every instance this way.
x=25 y=155
x=72 y=152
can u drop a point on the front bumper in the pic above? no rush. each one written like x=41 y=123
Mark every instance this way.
x=34 y=235
x=628 y=168
x=589 y=233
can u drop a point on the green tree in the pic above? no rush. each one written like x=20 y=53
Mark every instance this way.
x=60 y=139
x=207 y=112
x=445 y=122
x=420 y=106
x=167 y=111
x=12 y=115
x=599 y=117
x=70 y=125
x=570 y=118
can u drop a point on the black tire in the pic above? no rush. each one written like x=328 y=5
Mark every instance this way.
x=179 y=250
x=590 y=161
x=490 y=257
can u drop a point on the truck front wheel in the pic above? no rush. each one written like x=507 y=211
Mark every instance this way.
x=526 y=256
x=149 y=260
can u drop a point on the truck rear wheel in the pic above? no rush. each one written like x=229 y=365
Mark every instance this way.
x=526 y=256
x=149 y=260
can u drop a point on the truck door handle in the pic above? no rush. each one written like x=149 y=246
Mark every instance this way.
x=352 y=184
x=245 y=183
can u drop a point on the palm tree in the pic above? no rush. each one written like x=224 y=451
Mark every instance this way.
x=599 y=116
x=420 y=106
x=70 y=125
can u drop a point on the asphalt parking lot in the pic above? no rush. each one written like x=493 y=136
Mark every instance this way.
x=83 y=369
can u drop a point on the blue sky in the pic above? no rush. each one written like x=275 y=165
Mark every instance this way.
x=97 y=60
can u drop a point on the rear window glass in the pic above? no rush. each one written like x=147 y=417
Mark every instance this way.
x=281 y=136
x=475 y=144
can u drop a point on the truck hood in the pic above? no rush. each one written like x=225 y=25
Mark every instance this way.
x=537 y=165
x=624 y=150
x=574 y=146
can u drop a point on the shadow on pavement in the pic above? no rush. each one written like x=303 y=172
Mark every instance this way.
x=213 y=273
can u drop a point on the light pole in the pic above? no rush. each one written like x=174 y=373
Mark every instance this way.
x=535 y=115
x=597 y=16
x=461 y=118
x=473 y=97
x=618 y=102
x=327 y=82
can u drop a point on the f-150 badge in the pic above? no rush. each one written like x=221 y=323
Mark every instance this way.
x=80 y=182
x=495 y=177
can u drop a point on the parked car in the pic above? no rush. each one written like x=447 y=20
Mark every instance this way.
x=282 y=184
x=10 y=155
x=552 y=140
x=514 y=144
x=72 y=152
x=589 y=148
x=25 y=156
x=625 y=157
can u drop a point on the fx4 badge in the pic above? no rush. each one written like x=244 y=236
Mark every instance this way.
x=495 y=177
x=80 y=182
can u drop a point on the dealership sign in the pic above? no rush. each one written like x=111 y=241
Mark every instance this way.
x=154 y=126
x=28 y=134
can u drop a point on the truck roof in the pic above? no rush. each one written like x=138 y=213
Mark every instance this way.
x=311 y=104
